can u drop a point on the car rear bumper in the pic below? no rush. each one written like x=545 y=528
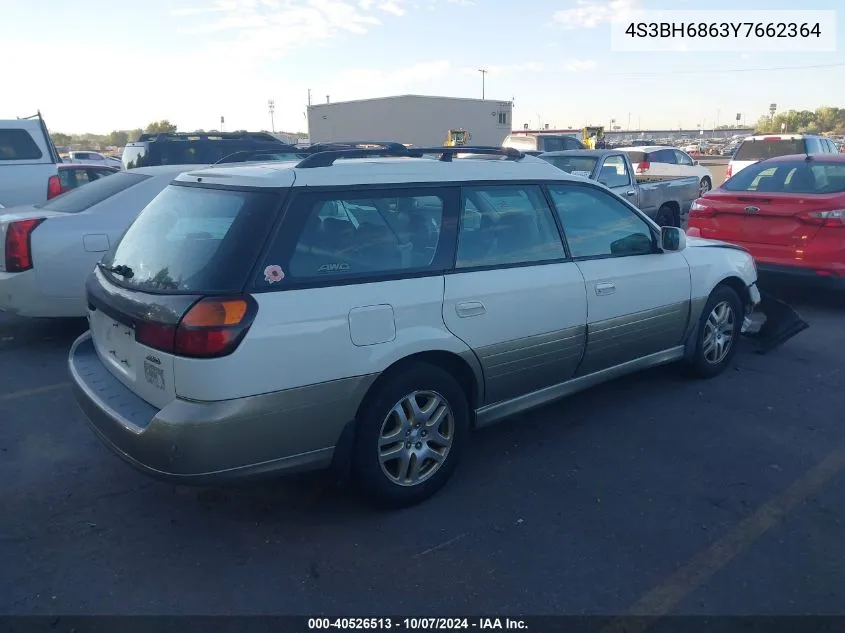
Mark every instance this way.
x=202 y=443
x=20 y=295
x=802 y=274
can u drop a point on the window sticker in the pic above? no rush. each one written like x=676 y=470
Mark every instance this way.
x=273 y=274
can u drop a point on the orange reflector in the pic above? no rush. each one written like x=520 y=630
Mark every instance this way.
x=215 y=313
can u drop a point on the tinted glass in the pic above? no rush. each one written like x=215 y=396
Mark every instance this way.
x=95 y=193
x=663 y=156
x=790 y=177
x=18 y=145
x=353 y=236
x=578 y=165
x=191 y=239
x=761 y=150
x=506 y=225
x=682 y=158
x=637 y=157
x=96 y=174
x=557 y=143
x=134 y=156
x=203 y=152
x=596 y=224
x=614 y=172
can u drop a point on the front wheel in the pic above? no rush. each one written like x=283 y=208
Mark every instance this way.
x=704 y=186
x=718 y=333
x=410 y=436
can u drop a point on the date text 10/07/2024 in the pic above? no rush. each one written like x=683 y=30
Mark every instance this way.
x=416 y=624
x=777 y=30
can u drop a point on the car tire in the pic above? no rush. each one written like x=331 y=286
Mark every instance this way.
x=666 y=216
x=704 y=186
x=721 y=318
x=439 y=427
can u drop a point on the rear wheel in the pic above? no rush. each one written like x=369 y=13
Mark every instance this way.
x=704 y=186
x=666 y=216
x=410 y=436
x=718 y=333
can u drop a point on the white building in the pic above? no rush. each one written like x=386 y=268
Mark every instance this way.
x=410 y=119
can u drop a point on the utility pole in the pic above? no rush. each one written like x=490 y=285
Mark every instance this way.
x=483 y=78
x=629 y=121
x=222 y=120
x=271 y=105
x=309 y=96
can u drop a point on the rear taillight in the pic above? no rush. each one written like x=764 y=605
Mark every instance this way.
x=835 y=218
x=54 y=187
x=643 y=167
x=212 y=328
x=19 y=245
x=729 y=171
x=698 y=210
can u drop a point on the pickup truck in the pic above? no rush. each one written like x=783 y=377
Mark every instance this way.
x=28 y=162
x=665 y=200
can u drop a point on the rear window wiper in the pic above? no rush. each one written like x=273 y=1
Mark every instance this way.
x=124 y=271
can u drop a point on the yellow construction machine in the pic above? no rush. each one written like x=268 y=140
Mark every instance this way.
x=592 y=136
x=457 y=138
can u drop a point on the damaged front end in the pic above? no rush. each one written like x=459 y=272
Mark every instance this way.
x=771 y=323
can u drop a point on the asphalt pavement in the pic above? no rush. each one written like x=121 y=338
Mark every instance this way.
x=652 y=494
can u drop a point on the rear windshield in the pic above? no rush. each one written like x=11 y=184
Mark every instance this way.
x=761 y=150
x=578 y=165
x=134 y=156
x=193 y=239
x=92 y=193
x=637 y=157
x=558 y=143
x=790 y=177
x=521 y=142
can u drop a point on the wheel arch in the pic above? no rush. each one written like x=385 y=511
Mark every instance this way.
x=733 y=282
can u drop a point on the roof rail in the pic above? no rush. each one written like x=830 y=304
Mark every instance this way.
x=397 y=150
x=163 y=136
x=341 y=145
x=244 y=156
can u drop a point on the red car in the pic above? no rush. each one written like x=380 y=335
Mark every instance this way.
x=789 y=212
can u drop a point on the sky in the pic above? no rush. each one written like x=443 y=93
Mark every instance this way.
x=120 y=64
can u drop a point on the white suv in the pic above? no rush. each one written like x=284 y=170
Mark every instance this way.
x=756 y=148
x=369 y=313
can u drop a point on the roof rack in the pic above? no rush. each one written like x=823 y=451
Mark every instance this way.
x=204 y=136
x=347 y=145
x=327 y=158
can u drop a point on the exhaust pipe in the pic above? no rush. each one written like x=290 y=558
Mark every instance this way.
x=781 y=324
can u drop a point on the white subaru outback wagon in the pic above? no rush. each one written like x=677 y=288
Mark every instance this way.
x=368 y=313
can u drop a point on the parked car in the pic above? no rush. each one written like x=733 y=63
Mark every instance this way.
x=666 y=200
x=197 y=148
x=28 y=160
x=50 y=248
x=789 y=212
x=94 y=158
x=538 y=143
x=72 y=176
x=660 y=161
x=761 y=147
x=271 y=318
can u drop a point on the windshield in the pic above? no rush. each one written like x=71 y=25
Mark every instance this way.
x=790 y=177
x=763 y=149
x=193 y=239
x=577 y=165
x=89 y=194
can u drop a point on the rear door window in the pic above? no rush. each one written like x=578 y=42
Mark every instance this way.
x=762 y=149
x=663 y=156
x=96 y=192
x=362 y=235
x=18 y=145
x=193 y=239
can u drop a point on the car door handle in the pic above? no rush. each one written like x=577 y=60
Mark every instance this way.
x=605 y=288
x=631 y=192
x=470 y=309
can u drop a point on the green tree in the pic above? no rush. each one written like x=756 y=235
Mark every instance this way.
x=135 y=134
x=117 y=138
x=161 y=127
x=61 y=139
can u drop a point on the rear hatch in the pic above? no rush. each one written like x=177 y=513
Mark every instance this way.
x=755 y=149
x=172 y=286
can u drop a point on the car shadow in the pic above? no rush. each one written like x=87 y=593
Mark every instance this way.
x=39 y=334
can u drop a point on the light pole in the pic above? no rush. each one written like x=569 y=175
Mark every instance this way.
x=271 y=106
x=629 y=121
x=483 y=72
